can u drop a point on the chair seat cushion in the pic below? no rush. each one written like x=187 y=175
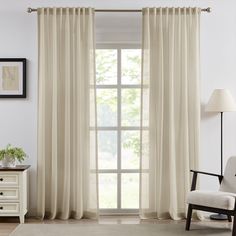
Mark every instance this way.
x=222 y=200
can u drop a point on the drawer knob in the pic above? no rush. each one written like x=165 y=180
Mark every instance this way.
x=1 y=208
x=1 y=179
x=1 y=193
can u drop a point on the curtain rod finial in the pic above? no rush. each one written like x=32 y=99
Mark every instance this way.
x=29 y=10
x=208 y=9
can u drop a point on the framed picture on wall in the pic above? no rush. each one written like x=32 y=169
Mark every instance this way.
x=12 y=77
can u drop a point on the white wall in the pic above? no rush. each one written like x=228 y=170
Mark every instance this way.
x=18 y=38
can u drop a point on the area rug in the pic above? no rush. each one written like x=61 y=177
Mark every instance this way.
x=115 y=230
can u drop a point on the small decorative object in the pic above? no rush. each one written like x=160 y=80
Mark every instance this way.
x=12 y=78
x=10 y=155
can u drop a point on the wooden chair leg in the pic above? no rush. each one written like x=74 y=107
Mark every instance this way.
x=189 y=216
x=229 y=218
x=234 y=226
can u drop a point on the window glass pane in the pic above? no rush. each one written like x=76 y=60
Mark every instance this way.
x=106 y=66
x=130 y=191
x=107 y=107
x=130 y=149
x=108 y=190
x=107 y=149
x=130 y=107
x=131 y=66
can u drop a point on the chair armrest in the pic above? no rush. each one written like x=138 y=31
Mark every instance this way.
x=206 y=173
x=195 y=173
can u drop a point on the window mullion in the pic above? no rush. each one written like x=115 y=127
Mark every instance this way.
x=119 y=128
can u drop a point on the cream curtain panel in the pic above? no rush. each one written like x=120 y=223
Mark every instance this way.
x=170 y=109
x=67 y=155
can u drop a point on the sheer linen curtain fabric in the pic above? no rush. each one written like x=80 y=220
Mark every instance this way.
x=170 y=110
x=67 y=150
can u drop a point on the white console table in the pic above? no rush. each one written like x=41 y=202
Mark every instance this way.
x=13 y=191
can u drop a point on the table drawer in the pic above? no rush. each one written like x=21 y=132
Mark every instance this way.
x=9 y=194
x=9 y=179
x=8 y=208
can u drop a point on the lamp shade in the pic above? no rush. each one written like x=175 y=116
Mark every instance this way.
x=221 y=100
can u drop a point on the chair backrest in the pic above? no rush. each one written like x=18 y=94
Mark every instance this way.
x=228 y=183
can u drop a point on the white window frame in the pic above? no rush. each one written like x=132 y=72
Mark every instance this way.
x=119 y=129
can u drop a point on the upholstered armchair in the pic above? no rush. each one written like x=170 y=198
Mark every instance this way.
x=222 y=201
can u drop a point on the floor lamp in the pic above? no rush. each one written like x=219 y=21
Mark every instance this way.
x=221 y=101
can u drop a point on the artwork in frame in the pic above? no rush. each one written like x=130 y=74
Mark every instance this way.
x=12 y=77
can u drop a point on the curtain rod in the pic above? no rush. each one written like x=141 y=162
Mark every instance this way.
x=29 y=10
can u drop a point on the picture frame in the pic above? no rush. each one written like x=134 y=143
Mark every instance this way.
x=12 y=77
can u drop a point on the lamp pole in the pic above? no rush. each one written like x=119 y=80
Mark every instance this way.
x=221 y=116
x=220 y=216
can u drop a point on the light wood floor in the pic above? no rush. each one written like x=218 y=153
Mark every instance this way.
x=7 y=225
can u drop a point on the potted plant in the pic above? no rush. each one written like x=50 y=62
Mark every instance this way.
x=10 y=155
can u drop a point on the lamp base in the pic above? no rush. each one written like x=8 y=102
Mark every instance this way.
x=218 y=217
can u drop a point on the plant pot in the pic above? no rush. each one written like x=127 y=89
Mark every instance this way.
x=9 y=161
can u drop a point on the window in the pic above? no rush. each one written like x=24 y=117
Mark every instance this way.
x=118 y=83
